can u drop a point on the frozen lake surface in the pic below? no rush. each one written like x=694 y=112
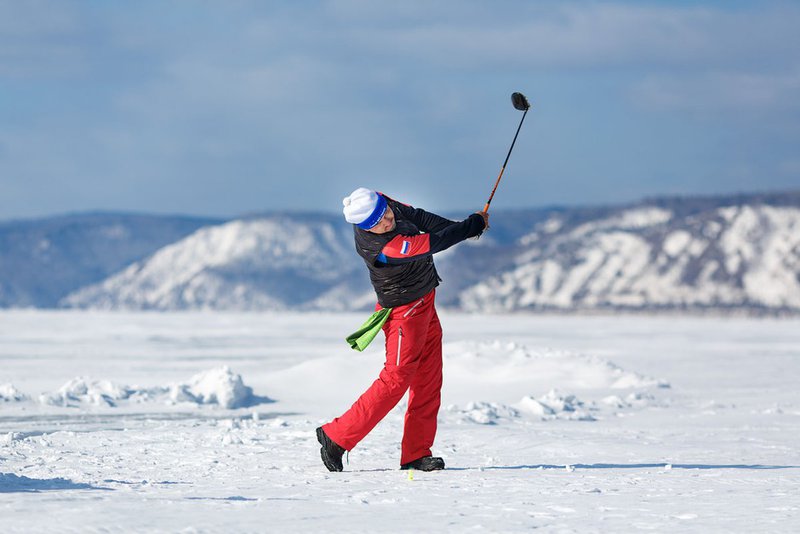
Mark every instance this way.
x=205 y=422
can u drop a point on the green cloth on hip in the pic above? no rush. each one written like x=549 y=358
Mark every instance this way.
x=362 y=337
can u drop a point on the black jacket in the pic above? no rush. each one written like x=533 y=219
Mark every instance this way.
x=400 y=262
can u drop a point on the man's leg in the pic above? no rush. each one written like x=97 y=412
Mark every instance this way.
x=424 y=397
x=405 y=340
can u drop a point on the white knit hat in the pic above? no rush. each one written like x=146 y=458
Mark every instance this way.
x=364 y=208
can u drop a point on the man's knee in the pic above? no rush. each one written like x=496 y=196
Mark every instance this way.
x=399 y=378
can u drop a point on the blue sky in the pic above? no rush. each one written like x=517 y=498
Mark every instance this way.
x=228 y=107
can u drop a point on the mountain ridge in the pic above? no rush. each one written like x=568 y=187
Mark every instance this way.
x=654 y=255
x=42 y=260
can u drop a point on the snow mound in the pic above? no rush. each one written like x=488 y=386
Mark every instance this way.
x=8 y=393
x=632 y=400
x=498 y=362
x=85 y=391
x=219 y=386
x=551 y=406
x=9 y=437
x=579 y=387
x=216 y=386
x=482 y=413
x=555 y=406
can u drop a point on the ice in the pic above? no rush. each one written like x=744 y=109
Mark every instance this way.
x=138 y=448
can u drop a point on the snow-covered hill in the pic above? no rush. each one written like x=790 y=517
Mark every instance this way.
x=42 y=260
x=265 y=263
x=737 y=253
x=741 y=255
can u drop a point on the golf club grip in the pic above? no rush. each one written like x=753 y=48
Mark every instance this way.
x=486 y=207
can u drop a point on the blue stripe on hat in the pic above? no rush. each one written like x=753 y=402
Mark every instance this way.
x=376 y=215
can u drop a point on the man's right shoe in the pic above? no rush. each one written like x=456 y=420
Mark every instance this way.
x=331 y=452
x=426 y=463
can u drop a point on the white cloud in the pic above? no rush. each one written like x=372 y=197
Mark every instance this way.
x=566 y=35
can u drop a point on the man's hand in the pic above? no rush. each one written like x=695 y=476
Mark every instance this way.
x=485 y=215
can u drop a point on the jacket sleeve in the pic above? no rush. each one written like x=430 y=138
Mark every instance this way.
x=427 y=221
x=424 y=220
x=404 y=249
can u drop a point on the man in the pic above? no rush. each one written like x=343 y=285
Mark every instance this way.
x=397 y=243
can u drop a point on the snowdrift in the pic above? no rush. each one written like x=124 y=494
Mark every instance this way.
x=544 y=369
x=218 y=386
x=534 y=380
x=8 y=393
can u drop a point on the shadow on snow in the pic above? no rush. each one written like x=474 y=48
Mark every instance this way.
x=16 y=484
x=83 y=422
x=628 y=466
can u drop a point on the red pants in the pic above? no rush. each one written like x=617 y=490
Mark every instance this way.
x=413 y=362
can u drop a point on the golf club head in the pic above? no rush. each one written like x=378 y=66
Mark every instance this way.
x=520 y=102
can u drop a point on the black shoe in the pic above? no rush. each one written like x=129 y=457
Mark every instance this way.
x=426 y=463
x=331 y=453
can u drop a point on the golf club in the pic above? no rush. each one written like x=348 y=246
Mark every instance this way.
x=520 y=103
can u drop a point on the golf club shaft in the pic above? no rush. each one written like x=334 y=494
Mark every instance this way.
x=502 y=170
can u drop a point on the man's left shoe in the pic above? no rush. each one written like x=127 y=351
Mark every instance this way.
x=426 y=463
x=331 y=452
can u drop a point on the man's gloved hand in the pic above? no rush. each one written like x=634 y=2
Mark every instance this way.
x=485 y=215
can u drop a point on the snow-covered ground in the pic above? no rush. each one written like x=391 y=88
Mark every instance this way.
x=205 y=422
